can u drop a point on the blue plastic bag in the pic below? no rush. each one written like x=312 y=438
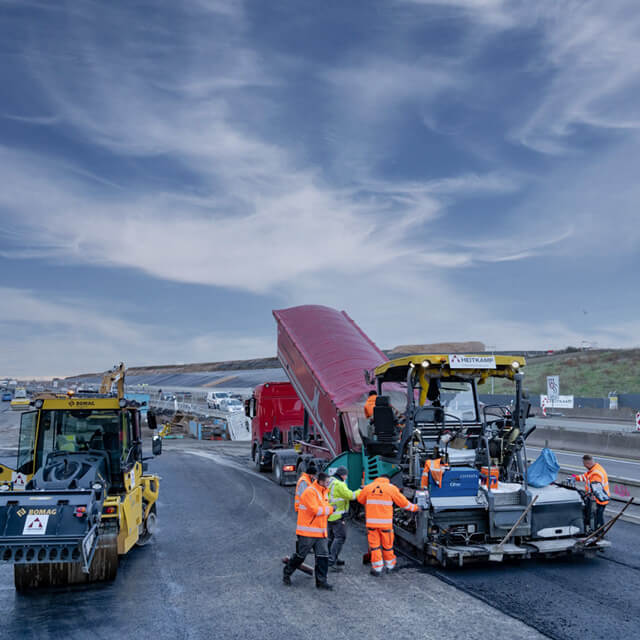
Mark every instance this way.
x=544 y=470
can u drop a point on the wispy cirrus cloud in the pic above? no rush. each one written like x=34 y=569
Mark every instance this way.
x=191 y=148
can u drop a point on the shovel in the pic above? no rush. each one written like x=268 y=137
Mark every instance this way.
x=496 y=554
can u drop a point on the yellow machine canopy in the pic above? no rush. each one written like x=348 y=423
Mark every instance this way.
x=427 y=366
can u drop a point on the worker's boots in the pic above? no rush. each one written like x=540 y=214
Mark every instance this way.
x=322 y=568
x=294 y=562
x=324 y=585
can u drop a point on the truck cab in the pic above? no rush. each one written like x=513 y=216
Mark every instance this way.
x=277 y=416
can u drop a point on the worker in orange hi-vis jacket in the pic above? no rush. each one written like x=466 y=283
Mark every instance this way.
x=370 y=404
x=305 y=480
x=313 y=511
x=436 y=468
x=378 y=498
x=597 y=485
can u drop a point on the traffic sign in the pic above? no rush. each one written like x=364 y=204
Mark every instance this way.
x=638 y=421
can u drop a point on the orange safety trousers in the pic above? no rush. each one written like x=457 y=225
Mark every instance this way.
x=381 y=548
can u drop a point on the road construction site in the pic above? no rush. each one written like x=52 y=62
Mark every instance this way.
x=208 y=574
x=490 y=541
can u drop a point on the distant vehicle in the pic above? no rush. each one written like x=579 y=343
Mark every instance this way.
x=6 y=396
x=168 y=397
x=214 y=398
x=20 y=400
x=232 y=405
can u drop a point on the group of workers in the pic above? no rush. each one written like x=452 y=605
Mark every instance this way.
x=322 y=501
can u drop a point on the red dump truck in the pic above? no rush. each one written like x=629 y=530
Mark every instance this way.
x=324 y=354
x=277 y=418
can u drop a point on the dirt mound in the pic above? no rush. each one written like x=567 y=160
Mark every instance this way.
x=438 y=347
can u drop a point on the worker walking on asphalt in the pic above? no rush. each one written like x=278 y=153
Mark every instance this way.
x=597 y=484
x=305 y=480
x=339 y=497
x=370 y=404
x=313 y=511
x=378 y=498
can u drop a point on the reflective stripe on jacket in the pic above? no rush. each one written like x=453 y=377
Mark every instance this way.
x=313 y=511
x=378 y=498
x=437 y=469
x=595 y=475
x=339 y=497
x=303 y=482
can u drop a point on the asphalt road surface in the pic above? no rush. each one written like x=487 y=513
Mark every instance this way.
x=214 y=571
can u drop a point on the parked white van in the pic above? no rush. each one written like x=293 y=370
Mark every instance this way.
x=214 y=398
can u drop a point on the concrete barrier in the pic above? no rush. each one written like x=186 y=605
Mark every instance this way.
x=609 y=443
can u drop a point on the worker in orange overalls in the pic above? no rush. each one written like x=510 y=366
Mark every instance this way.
x=369 y=404
x=436 y=468
x=305 y=480
x=597 y=485
x=311 y=532
x=378 y=498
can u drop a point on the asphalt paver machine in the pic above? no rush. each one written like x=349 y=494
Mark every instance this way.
x=80 y=495
x=465 y=464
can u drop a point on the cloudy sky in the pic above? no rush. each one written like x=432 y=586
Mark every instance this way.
x=443 y=170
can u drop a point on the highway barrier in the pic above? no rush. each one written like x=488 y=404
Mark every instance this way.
x=604 y=443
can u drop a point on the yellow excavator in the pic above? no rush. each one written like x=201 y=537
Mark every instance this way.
x=80 y=495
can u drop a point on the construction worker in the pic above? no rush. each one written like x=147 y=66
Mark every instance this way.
x=436 y=468
x=339 y=497
x=313 y=511
x=597 y=485
x=305 y=480
x=378 y=498
x=369 y=404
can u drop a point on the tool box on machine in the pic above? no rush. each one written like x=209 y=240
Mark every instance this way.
x=456 y=482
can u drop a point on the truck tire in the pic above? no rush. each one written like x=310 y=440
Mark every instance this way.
x=277 y=470
x=256 y=459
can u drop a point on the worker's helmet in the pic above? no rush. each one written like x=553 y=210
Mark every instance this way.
x=312 y=470
x=341 y=471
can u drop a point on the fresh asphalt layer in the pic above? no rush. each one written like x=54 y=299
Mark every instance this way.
x=214 y=570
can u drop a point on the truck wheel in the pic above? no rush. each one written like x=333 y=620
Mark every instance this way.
x=277 y=471
x=256 y=459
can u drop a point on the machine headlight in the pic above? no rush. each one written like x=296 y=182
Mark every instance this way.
x=426 y=364
x=122 y=402
x=96 y=486
x=38 y=403
x=515 y=364
x=471 y=528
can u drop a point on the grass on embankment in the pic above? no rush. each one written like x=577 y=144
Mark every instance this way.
x=588 y=374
